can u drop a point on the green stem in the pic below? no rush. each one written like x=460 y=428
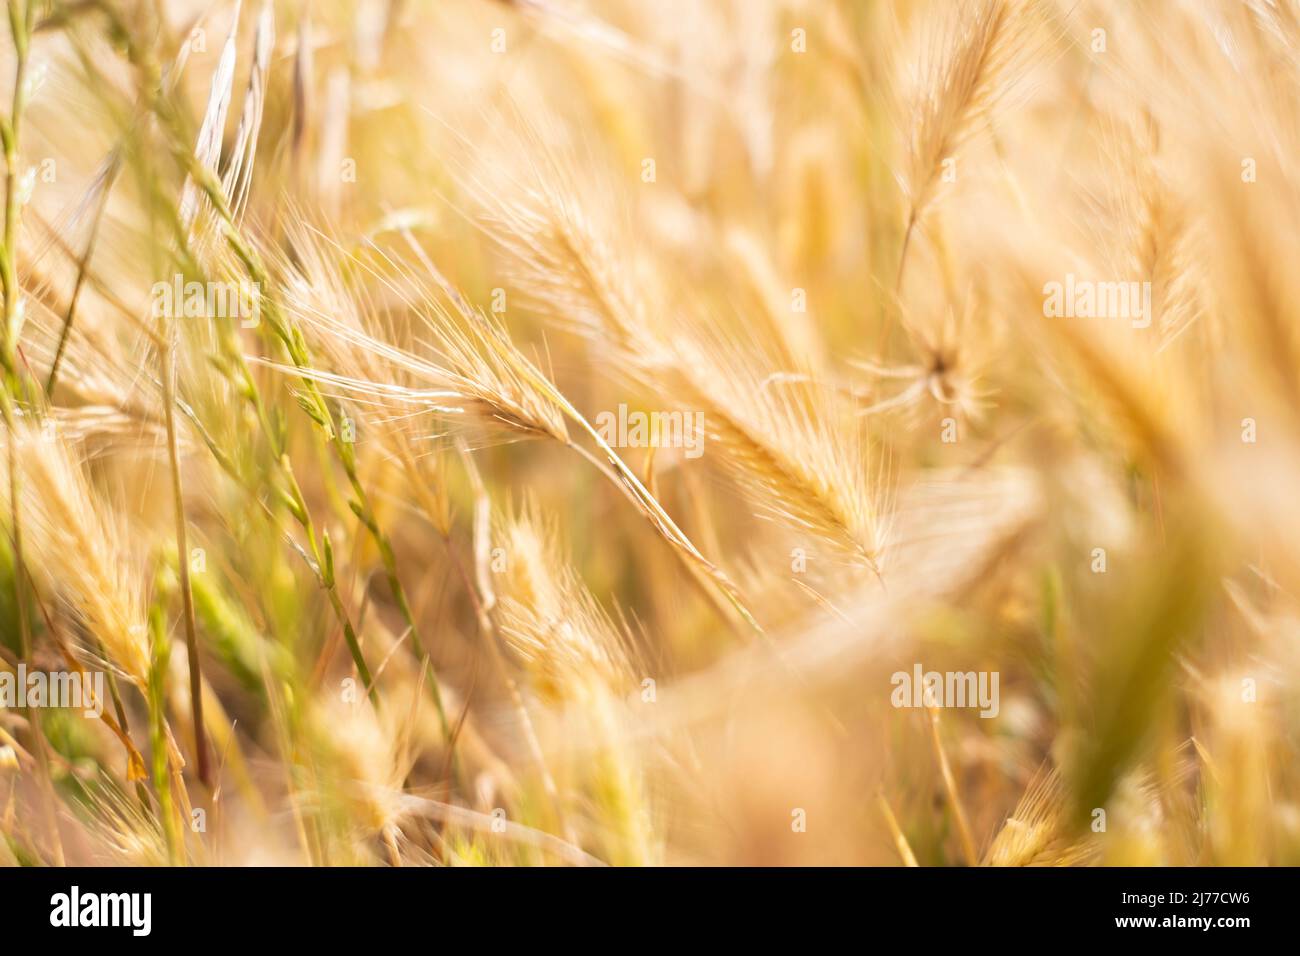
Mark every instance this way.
x=159 y=654
x=19 y=27
x=168 y=332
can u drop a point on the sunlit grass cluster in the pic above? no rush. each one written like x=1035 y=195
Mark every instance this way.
x=316 y=316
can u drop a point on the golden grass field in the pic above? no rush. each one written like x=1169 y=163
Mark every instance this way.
x=567 y=432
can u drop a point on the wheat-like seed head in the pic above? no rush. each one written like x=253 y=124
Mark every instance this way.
x=570 y=645
x=786 y=439
x=80 y=550
x=415 y=356
x=968 y=69
x=1036 y=833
